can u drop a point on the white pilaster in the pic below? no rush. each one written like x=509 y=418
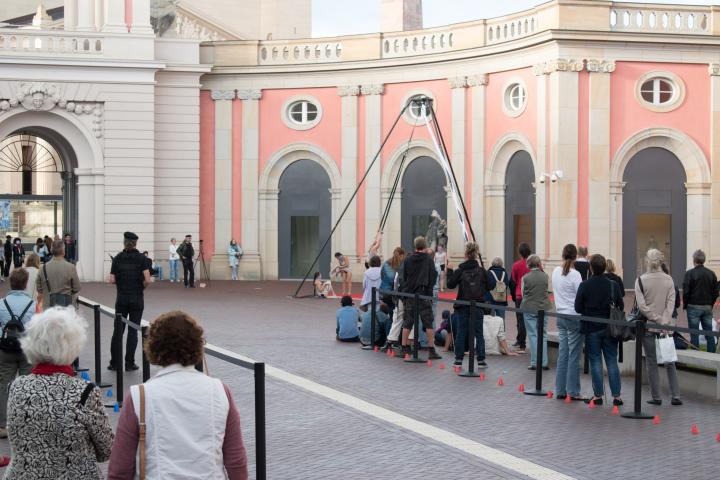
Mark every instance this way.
x=698 y=218
x=223 y=179
x=599 y=155
x=91 y=224
x=456 y=241
x=85 y=15
x=495 y=227
x=345 y=241
x=99 y=14
x=114 y=18
x=70 y=15
x=250 y=267
x=373 y=138
x=714 y=252
x=141 y=18
x=478 y=91
x=540 y=246
x=616 y=215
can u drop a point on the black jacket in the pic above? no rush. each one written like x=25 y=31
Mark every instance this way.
x=499 y=273
x=8 y=249
x=454 y=277
x=186 y=251
x=583 y=268
x=700 y=286
x=417 y=274
x=593 y=300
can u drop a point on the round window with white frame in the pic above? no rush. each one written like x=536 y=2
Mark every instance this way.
x=514 y=98
x=301 y=113
x=660 y=91
x=416 y=111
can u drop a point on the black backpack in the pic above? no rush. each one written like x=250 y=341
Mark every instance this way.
x=472 y=283
x=13 y=330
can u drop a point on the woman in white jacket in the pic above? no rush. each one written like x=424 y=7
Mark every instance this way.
x=234 y=254
x=173 y=260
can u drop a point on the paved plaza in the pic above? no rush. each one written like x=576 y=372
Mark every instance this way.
x=381 y=418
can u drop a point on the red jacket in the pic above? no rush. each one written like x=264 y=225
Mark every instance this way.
x=519 y=270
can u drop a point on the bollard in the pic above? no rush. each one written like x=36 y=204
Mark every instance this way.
x=145 y=362
x=373 y=319
x=98 y=349
x=260 y=447
x=470 y=372
x=416 y=329
x=538 y=358
x=637 y=411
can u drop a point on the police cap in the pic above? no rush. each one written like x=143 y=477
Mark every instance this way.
x=130 y=236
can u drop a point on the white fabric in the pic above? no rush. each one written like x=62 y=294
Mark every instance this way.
x=185 y=413
x=172 y=252
x=494 y=333
x=371 y=279
x=565 y=289
x=665 y=350
x=31 y=288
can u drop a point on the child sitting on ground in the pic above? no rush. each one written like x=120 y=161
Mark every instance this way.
x=347 y=317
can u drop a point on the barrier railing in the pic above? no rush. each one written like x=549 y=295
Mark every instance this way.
x=640 y=327
x=258 y=369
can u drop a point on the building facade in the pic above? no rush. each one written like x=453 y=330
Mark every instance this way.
x=582 y=121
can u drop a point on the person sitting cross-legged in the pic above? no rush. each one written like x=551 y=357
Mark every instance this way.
x=381 y=320
x=494 y=334
x=347 y=318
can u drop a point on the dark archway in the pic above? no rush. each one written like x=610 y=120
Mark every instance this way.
x=654 y=212
x=519 y=205
x=423 y=190
x=304 y=216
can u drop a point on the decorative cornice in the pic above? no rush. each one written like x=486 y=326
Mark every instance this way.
x=222 y=94
x=558 y=65
x=458 y=82
x=249 y=94
x=714 y=69
x=372 y=89
x=478 y=80
x=600 y=66
x=348 y=90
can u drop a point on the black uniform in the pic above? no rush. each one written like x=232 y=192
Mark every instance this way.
x=129 y=268
x=8 y=257
x=187 y=253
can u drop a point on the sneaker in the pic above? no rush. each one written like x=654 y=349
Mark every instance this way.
x=546 y=368
x=532 y=367
x=516 y=344
x=482 y=364
x=676 y=401
x=457 y=363
x=617 y=402
x=521 y=351
x=111 y=367
x=433 y=355
x=131 y=367
x=654 y=401
x=405 y=350
x=3 y=433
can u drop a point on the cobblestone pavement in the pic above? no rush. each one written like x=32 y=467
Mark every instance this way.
x=312 y=437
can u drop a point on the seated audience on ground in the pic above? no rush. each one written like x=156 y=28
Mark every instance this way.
x=17 y=305
x=443 y=335
x=192 y=423
x=372 y=278
x=381 y=319
x=494 y=334
x=57 y=423
x=155 y=269
x=347 y=317
x=323 y=288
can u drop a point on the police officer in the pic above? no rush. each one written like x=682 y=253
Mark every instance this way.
x=130 y=273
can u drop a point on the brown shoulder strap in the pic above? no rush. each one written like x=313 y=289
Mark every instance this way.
x=141 y=443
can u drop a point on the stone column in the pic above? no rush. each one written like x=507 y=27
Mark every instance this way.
x=253 y=259
x=85 y=15
x=599 y=160
x=541 y=246
x=114 y=21
x=616 y=220
x=714 y=253
x=91 y=224
x=373 y=137
x=478 y=89
x=563 y=153
x=223 y=181
x=345 y=240
x=141 y=18
x=70 y=15
x=698 y=218
x=456 y=240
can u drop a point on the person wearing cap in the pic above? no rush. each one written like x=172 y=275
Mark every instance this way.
x=57 y=282
x=131 y=274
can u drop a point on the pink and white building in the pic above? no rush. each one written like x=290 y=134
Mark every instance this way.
x=584 y=121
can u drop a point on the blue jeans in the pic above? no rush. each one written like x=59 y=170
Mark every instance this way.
x=158 y=272
x=462 y=332
x=600 y=345
x=697 y=316
x=567 y=380
x=531 y=327
x=174 y=269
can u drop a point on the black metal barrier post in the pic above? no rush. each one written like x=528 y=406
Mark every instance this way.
x=260 y=447
x=637 y=412
x=470 y=372
x=98 y=349
x=117 y=349
x=373 y=319
x=539 y=356
x=145 y=362
x=416 y=329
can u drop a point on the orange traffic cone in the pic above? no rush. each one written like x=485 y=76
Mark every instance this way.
x=694 y=429
x=615 y=410
x=592 y=403
x=656 y=420
x=376 y=349
x=456 y=369
x=500 y=382
x=429 y=363
x=442 y=366
x=482 y=377
x=549 y=394
x=568 y=399
x=717 y=437
x=407 y=356
x=521 y=388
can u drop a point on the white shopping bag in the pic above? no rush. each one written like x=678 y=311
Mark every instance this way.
x=665 y=350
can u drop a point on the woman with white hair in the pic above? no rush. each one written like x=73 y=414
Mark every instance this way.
x=57 y=424
x=655 y=296
x=498 y=281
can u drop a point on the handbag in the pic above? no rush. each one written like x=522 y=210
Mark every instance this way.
x=56 y=299
x=635 y=313
x=665 y=350
x=141 y=438
x=621 y=333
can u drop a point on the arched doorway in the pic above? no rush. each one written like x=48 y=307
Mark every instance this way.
x=38 y=192
x=654 y=212
x=423 y=190
x=304 y=215
x=519 y=205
